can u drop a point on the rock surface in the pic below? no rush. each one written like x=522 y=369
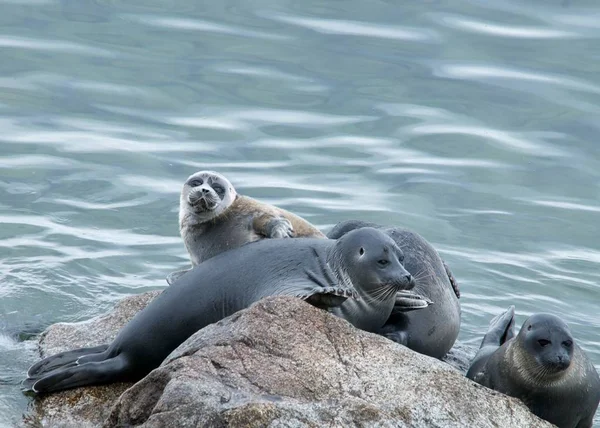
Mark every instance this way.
x=280 y=363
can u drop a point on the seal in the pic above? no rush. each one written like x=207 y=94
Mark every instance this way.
x=432 y=330
x=542 y=366
x=356 y=277
x=214 y=218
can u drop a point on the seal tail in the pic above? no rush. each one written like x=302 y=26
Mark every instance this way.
x=90 y=373
x=62 y=359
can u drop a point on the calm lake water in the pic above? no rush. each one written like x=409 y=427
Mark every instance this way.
x=476 y=124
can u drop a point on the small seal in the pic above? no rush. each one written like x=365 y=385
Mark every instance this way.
x=214 y=218
x=433 y=330
x=542 y=366
x=356 y=277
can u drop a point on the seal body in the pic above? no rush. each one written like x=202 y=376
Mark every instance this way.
x=432 y=330
x=363 y=265
x=213 y=218
x=542 y=366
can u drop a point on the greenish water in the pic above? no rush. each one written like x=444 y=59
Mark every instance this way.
x=473 y=123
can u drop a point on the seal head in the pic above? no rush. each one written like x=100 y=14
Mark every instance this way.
x=548 y=345
x=205 y=195
x=370 y=261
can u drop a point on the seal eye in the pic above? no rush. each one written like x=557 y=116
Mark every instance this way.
x=197 y=182
x=567 y=343
x=543 y=342
x=220 y=190
x=382 y=262
x=361 y=251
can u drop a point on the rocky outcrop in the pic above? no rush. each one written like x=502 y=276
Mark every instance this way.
x=83 y=407
x=284 y=363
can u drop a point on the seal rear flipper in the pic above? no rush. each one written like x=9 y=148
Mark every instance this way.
x=174 y=276
x=62 y=359
x=501 y=329
x=94 y=373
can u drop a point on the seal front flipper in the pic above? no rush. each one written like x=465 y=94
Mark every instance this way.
x=452 y=279
x=273 y=227
x=93 y=373
x=62 y=359
x=407 y=301
x=174 y=276
x=399 y=336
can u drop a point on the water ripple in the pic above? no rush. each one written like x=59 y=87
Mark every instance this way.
x=493 y=29
x=358 y=28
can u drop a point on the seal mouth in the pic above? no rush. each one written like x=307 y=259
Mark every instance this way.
x=203 y=199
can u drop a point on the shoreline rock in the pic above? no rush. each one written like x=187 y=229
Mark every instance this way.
x=279 y=363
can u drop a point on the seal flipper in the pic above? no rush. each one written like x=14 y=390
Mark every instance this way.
x=407 y=301
x=273 y=227
x=452 y=280
x=500 y=331
x=93 y=373
x=174 y=276
x=62 y=359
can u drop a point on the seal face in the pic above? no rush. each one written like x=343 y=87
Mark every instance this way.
x=542 y=366
x=364 y=266
x=214 y=218
x=205 y=195
x=431 y=330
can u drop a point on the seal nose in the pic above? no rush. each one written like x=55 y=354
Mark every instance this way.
x=562 y=362
x=410 y=281
x=205 y=191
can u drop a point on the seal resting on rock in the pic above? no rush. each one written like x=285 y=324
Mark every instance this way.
x=542 y=366
x=357 y=277
x=433 y=330
x=214 y=218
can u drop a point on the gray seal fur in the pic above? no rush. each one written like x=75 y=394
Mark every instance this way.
x=356 y=277
x=214 y=218
x=542 y=366
x=432 y=330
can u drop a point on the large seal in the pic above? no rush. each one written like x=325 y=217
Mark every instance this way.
x=214 y=218
x=365 y=264
x=433 y=330
x=542 y=366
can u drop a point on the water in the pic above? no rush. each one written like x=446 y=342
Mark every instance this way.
x=473 y=123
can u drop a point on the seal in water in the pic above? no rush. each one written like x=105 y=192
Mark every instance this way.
x=356 y=277
x=213 y=218
x=433 y=330
x=542 y=366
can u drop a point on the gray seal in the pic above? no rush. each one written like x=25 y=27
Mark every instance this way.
x=433 y=330
x=542 y=366
x=356 y=277
x=214 y=218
